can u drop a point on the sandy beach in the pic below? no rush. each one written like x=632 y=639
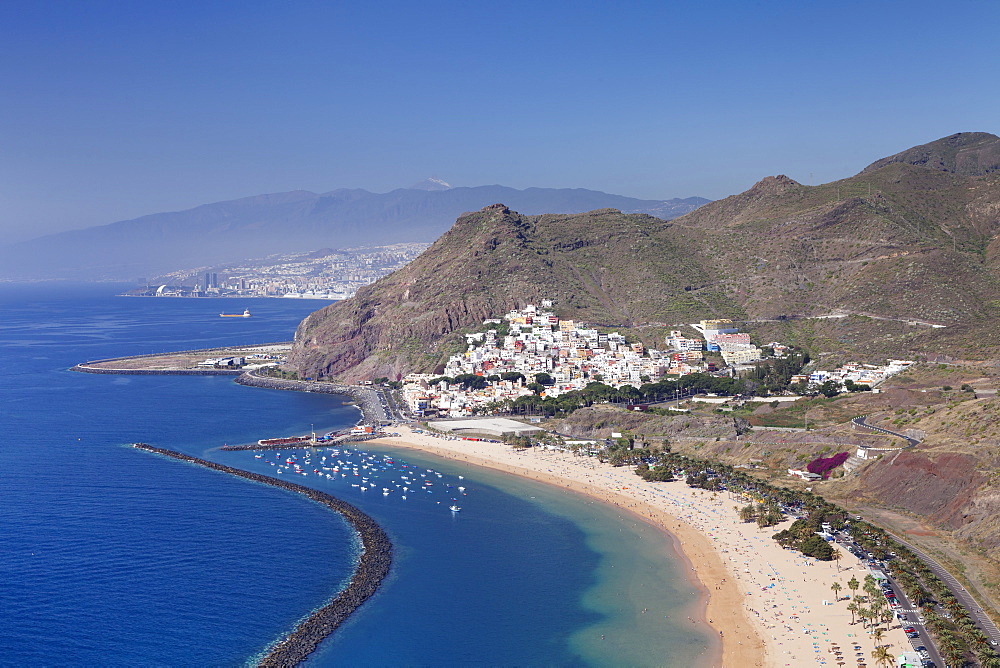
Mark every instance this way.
x=770 y=606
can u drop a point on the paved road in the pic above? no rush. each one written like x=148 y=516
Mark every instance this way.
x=914 y=616
x=960 y=592
x=389 y=402
x=860 y=421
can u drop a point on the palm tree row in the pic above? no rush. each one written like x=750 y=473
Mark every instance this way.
x=767 y=503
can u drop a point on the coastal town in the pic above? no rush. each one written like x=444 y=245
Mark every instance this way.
x=326 y=274
x=759 y=603
x=531 y=351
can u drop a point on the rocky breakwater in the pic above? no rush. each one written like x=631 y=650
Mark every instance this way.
x=373 y=566
x=372 y=410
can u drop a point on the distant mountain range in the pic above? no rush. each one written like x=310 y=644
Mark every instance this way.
x=294 y=221
x=910 y=247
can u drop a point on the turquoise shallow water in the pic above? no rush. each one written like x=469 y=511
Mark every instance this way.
x=110 y=556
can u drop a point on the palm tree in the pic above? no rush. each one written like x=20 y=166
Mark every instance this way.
x=953 y=655
x=887 y=617
x=836 y=587
x=877 y=636
x=883 y=657
x=853 y=585
x=853 y=607
x=871 y=587
x=989 y=660
x=948 y=641
x=835 y=557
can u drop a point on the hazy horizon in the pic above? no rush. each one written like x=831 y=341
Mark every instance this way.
x=115 y=111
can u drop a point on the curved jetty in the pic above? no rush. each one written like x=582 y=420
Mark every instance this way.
x=376 y=558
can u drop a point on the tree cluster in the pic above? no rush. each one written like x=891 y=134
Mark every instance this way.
x=802 y=537
x=764 y=514
x=658 y=473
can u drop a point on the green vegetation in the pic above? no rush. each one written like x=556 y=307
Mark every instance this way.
x=802 y=536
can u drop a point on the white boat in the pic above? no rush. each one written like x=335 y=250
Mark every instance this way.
x=454 y=509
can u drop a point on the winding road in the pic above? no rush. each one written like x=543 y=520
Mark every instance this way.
x=860 y=422
x=960 y=592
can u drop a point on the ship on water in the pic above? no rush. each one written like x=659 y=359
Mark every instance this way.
x=245 y=314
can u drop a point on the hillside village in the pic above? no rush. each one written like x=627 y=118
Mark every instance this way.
x=531 y=351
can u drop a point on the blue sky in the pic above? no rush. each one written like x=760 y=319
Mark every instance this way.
x=111 y=110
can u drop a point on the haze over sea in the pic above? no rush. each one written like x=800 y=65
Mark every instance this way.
x=110 y=556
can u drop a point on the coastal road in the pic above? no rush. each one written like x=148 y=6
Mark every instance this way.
x=914 y=618
x=961 y=593
x=906 y=607
x=391 y=405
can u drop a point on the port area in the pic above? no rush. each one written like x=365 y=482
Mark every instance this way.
x=230 y=361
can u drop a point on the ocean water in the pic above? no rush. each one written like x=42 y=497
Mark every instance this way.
x=114 y=557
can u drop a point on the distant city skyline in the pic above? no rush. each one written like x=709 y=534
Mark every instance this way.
x=115 y=110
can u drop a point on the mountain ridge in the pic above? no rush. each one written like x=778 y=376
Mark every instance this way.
x=292 y=221
x=907 y=243
x=963 y=153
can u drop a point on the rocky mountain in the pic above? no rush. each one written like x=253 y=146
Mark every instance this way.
x=964 y=153
x=604 y=266
x=908 y=251
x=295 y=221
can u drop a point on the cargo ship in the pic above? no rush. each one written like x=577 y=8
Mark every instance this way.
x=245 y=314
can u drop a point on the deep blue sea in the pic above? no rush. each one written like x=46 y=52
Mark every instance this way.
x=114 y=557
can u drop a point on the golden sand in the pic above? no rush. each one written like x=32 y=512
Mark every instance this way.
x=771 y=606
